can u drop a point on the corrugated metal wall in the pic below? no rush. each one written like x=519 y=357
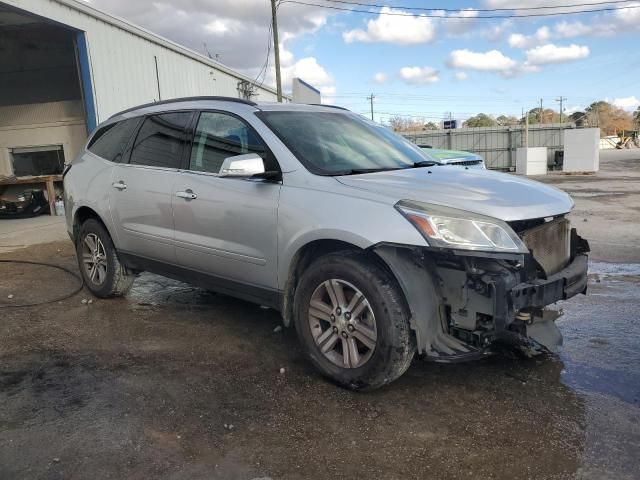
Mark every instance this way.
x=123 y=64
x=496 y=144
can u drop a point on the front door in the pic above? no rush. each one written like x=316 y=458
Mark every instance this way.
x=142 y=189
x=226 y=227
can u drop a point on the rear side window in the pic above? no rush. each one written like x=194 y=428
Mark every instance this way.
x=219 y=136
x=110 y=141
x=161 y=140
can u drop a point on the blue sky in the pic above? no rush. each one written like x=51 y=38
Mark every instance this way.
x=594 y=64
x=418 y=66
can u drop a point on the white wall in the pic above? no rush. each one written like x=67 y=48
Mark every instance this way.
x=581 y=150
x=304 y=93
x=123 y=65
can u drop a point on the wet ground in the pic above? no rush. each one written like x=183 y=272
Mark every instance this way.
x=177 y=383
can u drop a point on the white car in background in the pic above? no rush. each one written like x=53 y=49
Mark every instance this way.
x=454 y=157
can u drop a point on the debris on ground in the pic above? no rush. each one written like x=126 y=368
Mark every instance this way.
x=83 y=301
x=278 y=329
x=282 y=370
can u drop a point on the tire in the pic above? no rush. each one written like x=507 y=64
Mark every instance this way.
x=112 y=281
x=394 y=345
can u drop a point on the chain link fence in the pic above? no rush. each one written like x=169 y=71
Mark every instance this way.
x=497 y=145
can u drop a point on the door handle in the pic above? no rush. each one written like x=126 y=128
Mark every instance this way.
x=119 y=185
x=187 y=195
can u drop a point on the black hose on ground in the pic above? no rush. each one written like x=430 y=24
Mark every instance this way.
x=56 y=299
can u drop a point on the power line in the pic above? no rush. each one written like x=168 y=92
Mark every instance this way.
x=540 y=7
x=432 y=15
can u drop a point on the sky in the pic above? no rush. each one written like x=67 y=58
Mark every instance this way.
x=428 y=65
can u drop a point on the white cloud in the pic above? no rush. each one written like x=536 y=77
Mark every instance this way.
x=542 y=35
x=309 y=70
x=497 y=31
x=628 y=103
x=400 y=30
x=576 y=29
x=461 y=76
x=460 y=22
x=419 y=75
x=329 y=90
x=550 y=53
x=493 y=60
x=380 y=77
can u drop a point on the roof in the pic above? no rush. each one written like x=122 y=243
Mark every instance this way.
x=214 y=102
x=88 y=9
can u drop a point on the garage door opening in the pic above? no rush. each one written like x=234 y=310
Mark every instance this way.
x=43 y=118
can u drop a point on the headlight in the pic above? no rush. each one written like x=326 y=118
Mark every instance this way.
x=452 y=228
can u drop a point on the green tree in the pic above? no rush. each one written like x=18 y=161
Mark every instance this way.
x=506 y=120
x=431 y=126
x=481 y=120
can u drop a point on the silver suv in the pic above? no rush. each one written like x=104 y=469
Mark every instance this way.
x=360 y=240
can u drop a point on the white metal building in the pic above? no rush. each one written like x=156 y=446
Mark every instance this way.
x=66 y=66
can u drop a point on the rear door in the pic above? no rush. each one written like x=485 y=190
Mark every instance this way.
x=141 y=190
x=227 y=227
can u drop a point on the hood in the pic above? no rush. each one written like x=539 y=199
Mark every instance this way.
x=498 y=195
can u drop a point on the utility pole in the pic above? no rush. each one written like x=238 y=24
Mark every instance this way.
x=540 y=117
x=370 y=98
x=560 y=99
x=276 y=49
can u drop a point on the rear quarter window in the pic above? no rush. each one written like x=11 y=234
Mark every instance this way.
x=109 y=142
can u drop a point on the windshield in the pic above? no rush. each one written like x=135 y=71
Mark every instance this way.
x=341 y=143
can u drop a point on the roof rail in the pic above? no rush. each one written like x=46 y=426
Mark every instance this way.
x=329 y=106
x=187 y=99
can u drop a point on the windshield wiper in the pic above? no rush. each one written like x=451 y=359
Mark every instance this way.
x=357 y=171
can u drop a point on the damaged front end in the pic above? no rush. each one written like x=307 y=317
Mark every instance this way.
x=465 y=303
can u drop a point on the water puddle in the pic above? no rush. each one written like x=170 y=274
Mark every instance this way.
x=601 y=333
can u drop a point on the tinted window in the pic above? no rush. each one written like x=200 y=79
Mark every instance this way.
x=110 y=142
x=219 y=136
x=161 y=140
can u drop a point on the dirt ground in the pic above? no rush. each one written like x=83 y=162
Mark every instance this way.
x=173 y=382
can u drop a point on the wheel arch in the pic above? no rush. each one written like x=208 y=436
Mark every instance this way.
x=305 y=255
x=84 y=213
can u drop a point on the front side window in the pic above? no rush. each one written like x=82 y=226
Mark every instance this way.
x=219 y=136
x=340 y=143
x=110 y=141
x=161 y=140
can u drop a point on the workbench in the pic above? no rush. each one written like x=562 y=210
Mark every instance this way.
x=47 y=180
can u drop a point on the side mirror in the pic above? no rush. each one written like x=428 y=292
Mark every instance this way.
x=242 y=166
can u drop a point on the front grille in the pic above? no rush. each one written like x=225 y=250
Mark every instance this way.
x=550 y=244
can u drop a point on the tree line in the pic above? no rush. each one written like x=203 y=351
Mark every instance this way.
x=610 y=119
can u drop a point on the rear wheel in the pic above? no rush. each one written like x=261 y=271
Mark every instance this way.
x=351 y=320
x=99 y=264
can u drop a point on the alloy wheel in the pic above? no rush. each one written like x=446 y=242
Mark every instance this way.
x=94 y=259
x=342 y=323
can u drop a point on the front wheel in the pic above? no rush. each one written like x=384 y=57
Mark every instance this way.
x=99 y=264
x=351 y=321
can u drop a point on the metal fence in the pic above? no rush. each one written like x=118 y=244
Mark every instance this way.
x=497 y=145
